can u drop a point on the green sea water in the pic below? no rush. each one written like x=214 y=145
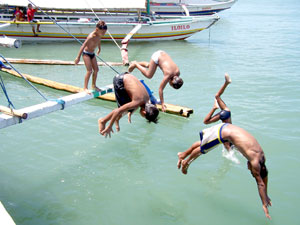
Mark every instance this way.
x=57 y=169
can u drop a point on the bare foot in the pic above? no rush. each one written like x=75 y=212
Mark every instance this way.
x=101 y=125
x=216 y=105
x=132 y=66
x=180 y=158
x=227 y=78
x=96 y=88
x=87 y=91
x=185 y=166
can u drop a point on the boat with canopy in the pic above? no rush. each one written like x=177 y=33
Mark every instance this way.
x=189 y=7
x=64 y=20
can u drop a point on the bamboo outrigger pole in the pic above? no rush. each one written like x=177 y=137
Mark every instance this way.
x=56 y=62
x=170 y=108
x=12 y=112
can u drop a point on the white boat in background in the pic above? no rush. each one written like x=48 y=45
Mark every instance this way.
x=78 y=19
x=189 y=7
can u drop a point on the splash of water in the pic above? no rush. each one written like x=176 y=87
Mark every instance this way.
x=230 y=154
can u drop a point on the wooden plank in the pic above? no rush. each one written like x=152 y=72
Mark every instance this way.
x=51 y=106
x=172 y=109
x=54 y=62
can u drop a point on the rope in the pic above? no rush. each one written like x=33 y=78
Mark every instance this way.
x=54 y=21
x=24 y=78
x=59 y=101
x=107 y=29
x=43 y=96
x=5 y=93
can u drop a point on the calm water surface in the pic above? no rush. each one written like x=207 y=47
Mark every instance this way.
x=57 y=169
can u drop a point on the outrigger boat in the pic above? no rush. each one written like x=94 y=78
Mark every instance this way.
x=78 y=18
x=12 y=117
x=189 y=7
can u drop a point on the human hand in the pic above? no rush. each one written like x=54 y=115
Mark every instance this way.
x=106 y=132
x=163 y=107
x=76 y=61
x=269 y=203
x=265 y=208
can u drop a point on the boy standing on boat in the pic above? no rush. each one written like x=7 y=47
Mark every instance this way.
x=169 y=68
x=30 y=18
x=130 y=95
x=87 y=50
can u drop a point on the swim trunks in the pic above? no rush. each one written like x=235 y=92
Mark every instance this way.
x=153 y=100
x=90 y=54
x=224 y=115
x=155 y=56
x=211 y=137
x=121 y=94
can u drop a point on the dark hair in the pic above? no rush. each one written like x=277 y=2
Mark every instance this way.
x=177 y=82
x=101 y=25
x=151 y=112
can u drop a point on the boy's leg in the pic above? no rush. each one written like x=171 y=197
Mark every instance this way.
x=221 y=103
x=38 y=28
x=89 y=70
x=222 y=89
x=133 y=65
x=143 y=68
x=33 y=30
x=186 y=163
x=95 y=73
x=183 y=155
x=102 y=121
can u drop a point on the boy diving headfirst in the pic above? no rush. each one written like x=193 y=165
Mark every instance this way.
x=244 y=142
x=170 y=70
x=130 y=95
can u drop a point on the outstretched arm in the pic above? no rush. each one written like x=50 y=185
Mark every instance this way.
x=161 y=92
x=262 y=190
x=116 y=114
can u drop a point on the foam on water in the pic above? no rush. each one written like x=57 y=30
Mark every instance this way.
x=231 y=154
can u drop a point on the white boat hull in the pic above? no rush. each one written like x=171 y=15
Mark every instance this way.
x=195 y=8
x=168 y=29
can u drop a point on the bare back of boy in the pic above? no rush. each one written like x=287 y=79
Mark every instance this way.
x=135 y=90
x=167 y=65
x=243 y=141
